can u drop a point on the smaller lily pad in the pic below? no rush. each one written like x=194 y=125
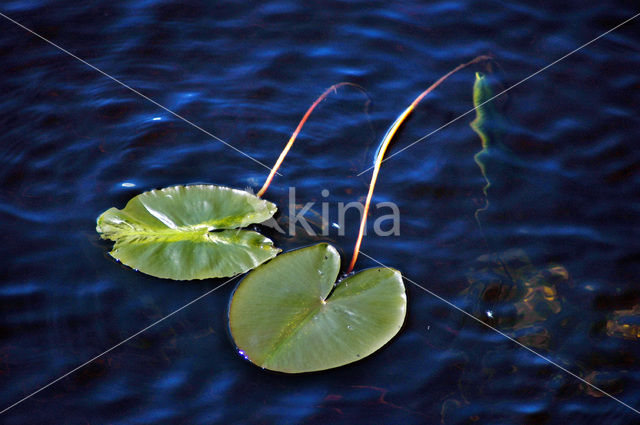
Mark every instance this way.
x=288 y=315
x=189 y=232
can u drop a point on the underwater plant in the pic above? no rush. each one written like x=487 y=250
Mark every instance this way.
x=624 y=323
x=510 y=290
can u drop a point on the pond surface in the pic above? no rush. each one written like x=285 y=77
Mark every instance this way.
x=563 y=217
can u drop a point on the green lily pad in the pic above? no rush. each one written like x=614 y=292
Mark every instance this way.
x=289 y=316
x=189 y=232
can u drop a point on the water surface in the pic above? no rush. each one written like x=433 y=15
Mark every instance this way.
x=564 y=214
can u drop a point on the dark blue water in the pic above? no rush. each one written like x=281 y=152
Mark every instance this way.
x=564 y=213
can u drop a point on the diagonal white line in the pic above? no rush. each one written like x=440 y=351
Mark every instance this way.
x=507 y=336
x=136 y=92
x=506 y=90
x=117 y=345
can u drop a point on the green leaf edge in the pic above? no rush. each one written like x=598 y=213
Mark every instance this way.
x=199 y=231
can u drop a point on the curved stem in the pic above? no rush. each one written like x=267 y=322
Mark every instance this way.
x=385 y=144
x=293 y=137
